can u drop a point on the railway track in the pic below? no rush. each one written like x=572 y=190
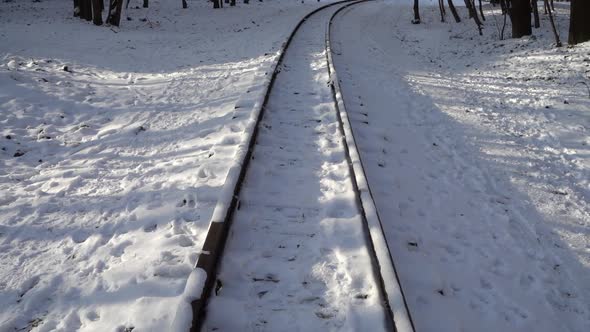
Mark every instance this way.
x=305 y=250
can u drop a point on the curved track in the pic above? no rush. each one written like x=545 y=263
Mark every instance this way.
x=306 y=250
x=383 y=261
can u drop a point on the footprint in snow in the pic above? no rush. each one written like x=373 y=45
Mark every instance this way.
x=324 y=315
x=230 y=140
x=485 y=284
x=92 y=315
x=122 y=328
x=27 y=285
x=309 y=299
x=526 y=281
x=150 y=228
x=189 y=201
x=183 y=241
x=79 y=236
x=119 y=249
x=205 y=173
x=451 y=250
x=205 y=132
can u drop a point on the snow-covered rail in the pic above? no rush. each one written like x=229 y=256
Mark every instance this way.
x=383 y=262
x=306 y=249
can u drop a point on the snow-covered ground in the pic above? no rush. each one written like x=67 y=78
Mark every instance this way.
x=115 y=144
x=477 y=152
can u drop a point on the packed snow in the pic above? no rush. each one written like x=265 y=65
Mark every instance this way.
x=476 y=150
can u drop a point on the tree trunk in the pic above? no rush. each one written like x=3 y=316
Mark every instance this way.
x=88 y=4
x=473 y=13
x=557 y=40
x=579 y=22
x=216 y=3
x=454 y=11
x=546 y=6
x=184 y=4
x=232 y=3
x=85 y=10
x=81 y=9
x=76 y=8
x=416 y=19
x=481 y=11
x=520 y=15
x=114 y=14
x=536 y=14
x=96 y=12
x=468 y=6
x=146 y=3
x=504 y=6
x=504 y=14
x=442 y=10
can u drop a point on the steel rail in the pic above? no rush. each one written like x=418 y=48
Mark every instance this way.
x=389 y=282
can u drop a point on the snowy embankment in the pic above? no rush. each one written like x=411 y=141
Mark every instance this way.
x=477 y=154
x=115 y=145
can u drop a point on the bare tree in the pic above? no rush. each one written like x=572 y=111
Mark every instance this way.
x=481 y=11
x=557 y=40
x=520 y=15
x=76 y=8
x=454 y=11
x=96 y=12
x=579 y=21
x=85 y=10
x=473 y=14
x=114 y=14
x=441 y=7
x=536 y=13
x=468 y=6
x=416 y=19
x=546 y=7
